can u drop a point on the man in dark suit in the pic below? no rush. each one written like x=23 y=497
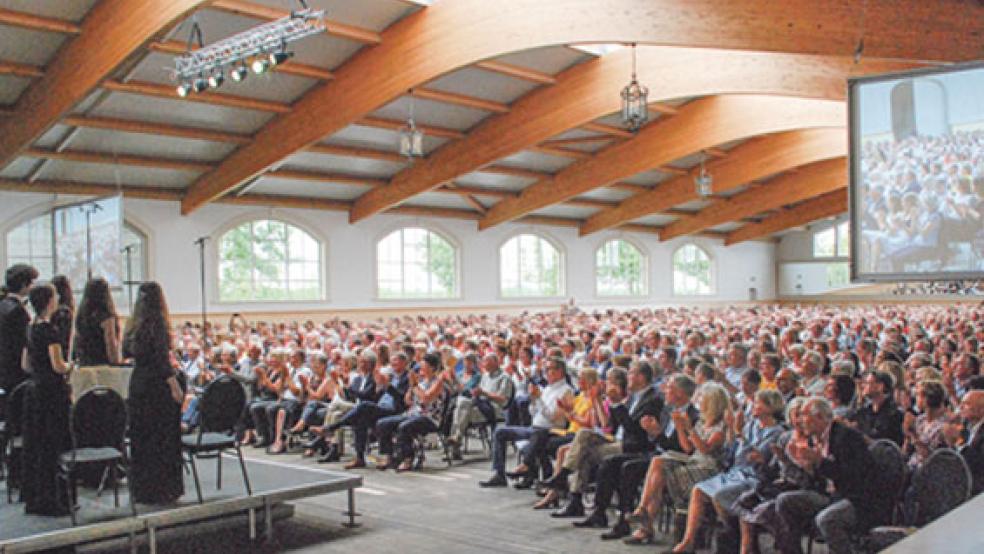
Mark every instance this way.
x=625 y=472
x=838 y=453
x=636 y=400
x=969 y=438
x=14 y=321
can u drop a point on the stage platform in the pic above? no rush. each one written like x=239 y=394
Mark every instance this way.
x=99 y=521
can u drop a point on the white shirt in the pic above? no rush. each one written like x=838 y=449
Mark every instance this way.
x=544 y=410
x=295 y=377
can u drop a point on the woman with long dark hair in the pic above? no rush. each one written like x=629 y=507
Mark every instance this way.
x=64 y=317
x=154 y=401
x=14 y=321
x=46 y=433
x=97 y=327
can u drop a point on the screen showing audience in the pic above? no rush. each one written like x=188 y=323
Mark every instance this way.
x=104 y=228
x=918 y=175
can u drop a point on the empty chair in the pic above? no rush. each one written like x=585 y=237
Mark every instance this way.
x=889 y=479
x=941 y=484
x=98 y=428
x=221 y=406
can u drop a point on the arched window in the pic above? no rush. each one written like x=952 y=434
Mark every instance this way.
x=692 y=271
x=530 y=265
x=620 y=269
x=413 y=262
x=266 y=259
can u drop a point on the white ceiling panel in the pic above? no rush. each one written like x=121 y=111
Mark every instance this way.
x=30 y=47
x=72 y=10
x=364 y=167
x=375 y=15
x=379 y=139
x=493 y=180
x=290 y=187
x=536 y=161
x=181 y=112
x=590 y=147
x=483 y=84
x=563 y=210
x=441 y=200
x=655 y=219
x=110 y=174
x=694 y=205
x=53 y=136
x=647 y=178
x=607 y=193
x=19 y=168
x=275 y=86
x=731 y=192
x=550 y=59
x=428 y=112
x=690 y=161
x=727 y=227
x=99 y=140
x=11 y=88
x=577 y=132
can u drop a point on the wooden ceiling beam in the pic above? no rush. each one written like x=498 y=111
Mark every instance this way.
x=289 y=67
x=215 y=98
x=351 y=151
x=149 y=128
x=811 y=181
x=607 y=130
x=319 y=177
x=450 y=35
x=111 y=33
x=577 y=141
x=518 y=72
x=38 y=23
x=560 y=152
x=588 y=91
x=750 y=161
x=270 y=13
x=700 y=124
x=460 y=100
x=396 y=125
x=20 y=69
x=511 y=171
x=83 y=156
x=827 y=205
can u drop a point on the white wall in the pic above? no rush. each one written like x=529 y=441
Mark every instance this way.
x=799 y=272
x=350 y=251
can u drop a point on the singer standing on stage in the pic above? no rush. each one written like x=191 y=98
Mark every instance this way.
x=154 y=401
x=14 y=320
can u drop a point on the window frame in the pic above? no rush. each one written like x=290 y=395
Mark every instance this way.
x=712 y=269
x=456 y=292
x=644 y=270
x=837 y=227
x=214 y=252
x=561 y=266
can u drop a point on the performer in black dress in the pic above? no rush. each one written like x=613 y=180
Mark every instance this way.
x=14 y=321
x=154 y=402
x=97 y=327
x=46 y=433
x=64 y=317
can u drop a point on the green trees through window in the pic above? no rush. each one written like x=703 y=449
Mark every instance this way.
x=691 y=271
x=529 y=266
x=416 y=263
x=269 y=260
x=620 y=269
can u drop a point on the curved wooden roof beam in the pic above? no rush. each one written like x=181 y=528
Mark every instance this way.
x=807 y=182
x=451 y=35
x=591 y=90
x=826 y=205
x=756 y=159
x=110 y=33
x=700 y=124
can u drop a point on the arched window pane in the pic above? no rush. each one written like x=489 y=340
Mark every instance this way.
x=691 y=271
x=269 y=260
x=416 y=263
x=620 y=269
x=31 y=243
x=529 y=266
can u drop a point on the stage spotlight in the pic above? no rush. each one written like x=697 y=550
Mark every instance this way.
x=216 y=79
x=183 y=89
x=260 y=65
x=199 y=84
x=239 y=74
x=277 y=58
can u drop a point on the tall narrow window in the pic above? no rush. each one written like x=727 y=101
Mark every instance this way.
x=31 y=243
x=267 y=259
x=416 y=263
x=620 y=269
x=530 y=266
x=692 y=271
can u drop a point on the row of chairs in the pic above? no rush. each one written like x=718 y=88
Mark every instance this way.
x=98 y=426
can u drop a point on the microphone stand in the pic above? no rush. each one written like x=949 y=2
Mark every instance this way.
x=200 y=241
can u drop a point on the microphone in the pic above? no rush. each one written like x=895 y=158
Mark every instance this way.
x=200 y=241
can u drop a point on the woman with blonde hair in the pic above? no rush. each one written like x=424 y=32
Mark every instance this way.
x=676 y=473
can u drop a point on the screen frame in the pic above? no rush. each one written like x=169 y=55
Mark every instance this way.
x=854 y=180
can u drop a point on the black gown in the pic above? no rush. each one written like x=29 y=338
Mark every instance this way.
x=46 y=420
x=155 y=424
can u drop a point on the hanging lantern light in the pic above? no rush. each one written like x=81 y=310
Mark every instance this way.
x=703 y=181
x=411 y=138
x=635 y=101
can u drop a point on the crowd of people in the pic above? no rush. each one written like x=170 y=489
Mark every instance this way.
x=757 y=416
x=940 y=288
x=920 y=195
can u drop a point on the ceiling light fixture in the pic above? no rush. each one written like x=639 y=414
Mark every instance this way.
x=239 y=73
x=411 y=138
x=635 y=101
x=703 y=181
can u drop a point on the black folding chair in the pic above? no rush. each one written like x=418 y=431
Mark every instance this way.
x=221 y=406
x=12 y=437
x=942 y=483
x=98 y=428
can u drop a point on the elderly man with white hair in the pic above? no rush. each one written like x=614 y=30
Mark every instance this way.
x=810 y=367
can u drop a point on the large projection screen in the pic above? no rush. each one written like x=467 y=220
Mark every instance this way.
x=917 y=175
x=73 y=256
